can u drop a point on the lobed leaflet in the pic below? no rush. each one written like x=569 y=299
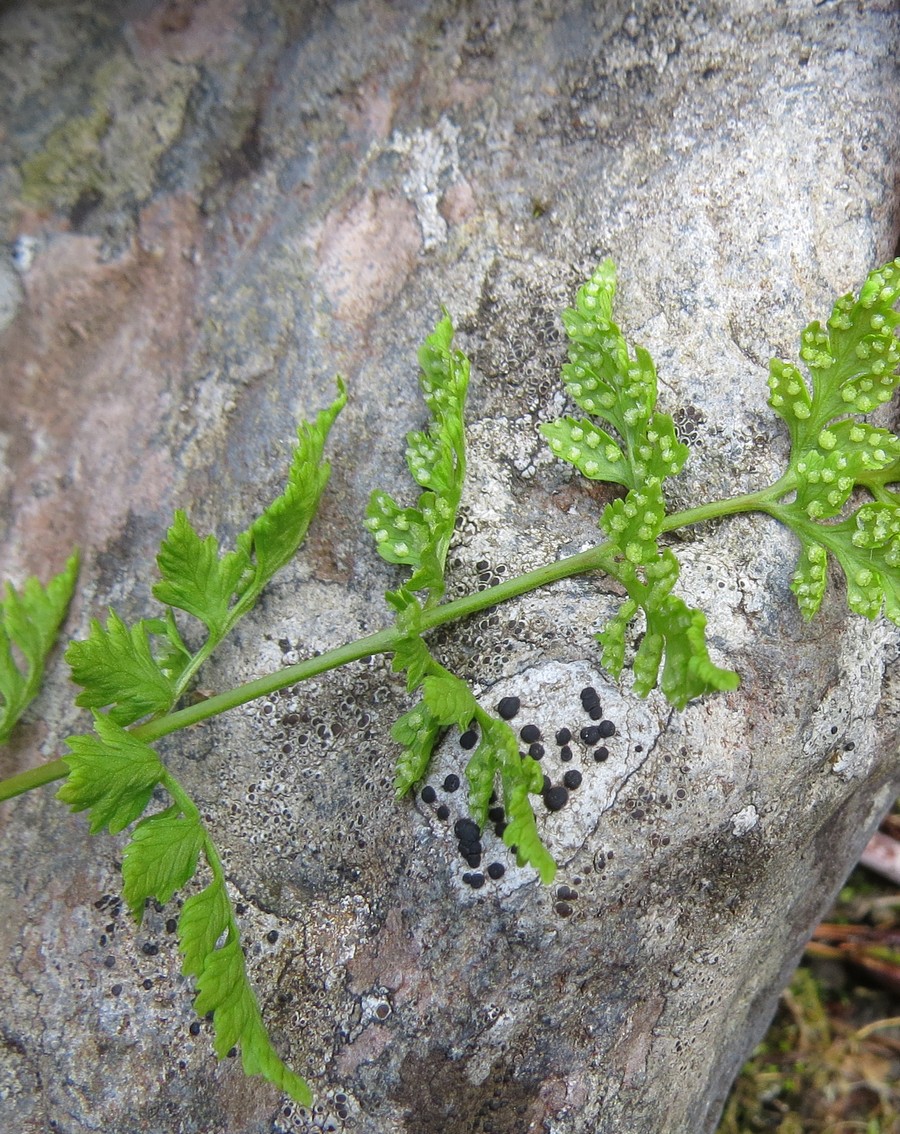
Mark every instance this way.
x=837 y=495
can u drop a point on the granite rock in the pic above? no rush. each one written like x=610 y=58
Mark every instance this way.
x=213 y=208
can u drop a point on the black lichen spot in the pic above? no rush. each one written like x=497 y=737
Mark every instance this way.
x=116 y=990
x=451 y=782
x=591 y=734
x=601 y=754
x=429 y=795
x=563 y=909
x=508 y=707
x=566 y=893
x=496 y=870
x=596 y=713
x=443 y=812
x=589 y=698
x=529 y=733
x=469 y=835
x=272 y=936
x=536 y=751
x=563 y=736
x=149 y=949
x=194 y=1029
x=565 y=753
x=467 y=830
x=469 y=738
x=555 y=798
x=605 y=729
x=572 y=779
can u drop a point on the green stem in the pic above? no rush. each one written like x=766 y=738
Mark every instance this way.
x=597 y=558
x=181 y=797
x=762 y=501
x=378 y=643
x=383 y=642
x=33 y=778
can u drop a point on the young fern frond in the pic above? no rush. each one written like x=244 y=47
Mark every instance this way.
x=610 y=383
x=604 y=380
x=113 y=773
x=852 y=364
x=117 y=669
x=29 y=623
x=419 y=538
x=143 y=670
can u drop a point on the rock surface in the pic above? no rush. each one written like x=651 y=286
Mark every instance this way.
x=211 y=208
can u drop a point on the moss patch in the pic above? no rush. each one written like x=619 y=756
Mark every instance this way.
x=830 y=1062
x=110 y=153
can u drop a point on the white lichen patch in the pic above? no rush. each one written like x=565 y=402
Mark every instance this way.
x=334 y=933
x=550 y=700
x=744 y=820
x=433 y=166
x=488 y=489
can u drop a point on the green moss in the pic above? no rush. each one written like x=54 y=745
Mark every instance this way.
x=69 y=165
x=111 y=152
x=814 y=1073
